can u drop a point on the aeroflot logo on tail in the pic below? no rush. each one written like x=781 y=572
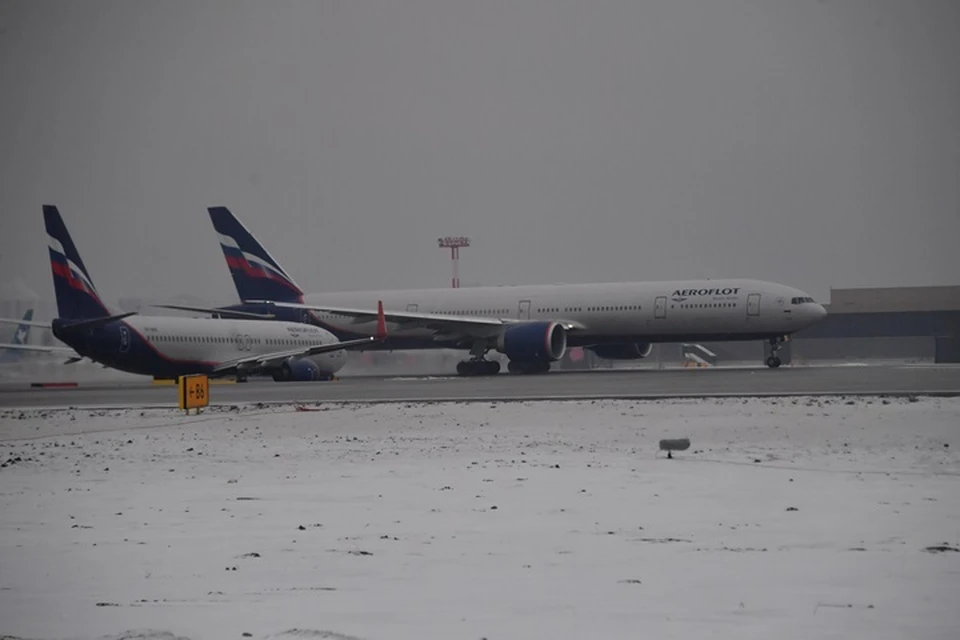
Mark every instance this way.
x=682 y=294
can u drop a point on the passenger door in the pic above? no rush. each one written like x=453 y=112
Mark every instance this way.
x=660 y=308
x=523 y=311
x=753 y=305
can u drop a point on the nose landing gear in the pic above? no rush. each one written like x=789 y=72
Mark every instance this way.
x=773 y=360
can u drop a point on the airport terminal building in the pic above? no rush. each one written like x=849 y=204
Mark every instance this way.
x=897 y=322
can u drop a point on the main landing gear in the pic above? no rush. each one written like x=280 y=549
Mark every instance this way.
x=478 y=365
x=773 y=360
x=528 y=367
x=481 y=367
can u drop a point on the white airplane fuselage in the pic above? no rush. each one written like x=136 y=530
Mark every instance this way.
x=609 y=313
x=164 y=346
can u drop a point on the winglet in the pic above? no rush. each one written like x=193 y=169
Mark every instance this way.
x=381 y=321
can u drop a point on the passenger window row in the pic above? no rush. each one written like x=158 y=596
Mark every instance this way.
x=289 y=342
x=467 y=312
x=616 y=308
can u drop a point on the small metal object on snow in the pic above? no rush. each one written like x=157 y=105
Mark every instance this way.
x=674 y=444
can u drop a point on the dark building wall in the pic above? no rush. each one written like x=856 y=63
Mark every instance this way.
x=877 y=299
x=947 y=350
x=907 y=349
x=885 y=324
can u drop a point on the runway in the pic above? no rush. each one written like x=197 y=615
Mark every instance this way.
x=942 y=380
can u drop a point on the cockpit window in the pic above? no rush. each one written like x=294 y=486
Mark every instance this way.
x=801 y=300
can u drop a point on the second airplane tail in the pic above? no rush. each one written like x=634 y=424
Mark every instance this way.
x=77 y=298
x=255 y=273
x=21 y=336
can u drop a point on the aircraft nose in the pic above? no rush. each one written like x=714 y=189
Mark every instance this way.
x=819 y=312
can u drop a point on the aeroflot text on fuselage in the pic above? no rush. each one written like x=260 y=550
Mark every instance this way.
x=687 y=293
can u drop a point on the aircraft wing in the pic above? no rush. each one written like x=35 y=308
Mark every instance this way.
x=32 y=347
x=29 y=323
x=440 y=323
x=223 y=313
x=268 y=360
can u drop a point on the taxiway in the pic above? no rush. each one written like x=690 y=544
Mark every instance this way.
x=943 y=380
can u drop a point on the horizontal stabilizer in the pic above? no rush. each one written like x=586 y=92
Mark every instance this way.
x=96 y=322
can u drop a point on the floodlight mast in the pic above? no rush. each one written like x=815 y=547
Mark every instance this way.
x=454 y=243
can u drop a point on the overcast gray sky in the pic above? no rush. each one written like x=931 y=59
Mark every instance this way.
x=811 y=143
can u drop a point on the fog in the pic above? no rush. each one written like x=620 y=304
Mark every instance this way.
x=811 y=143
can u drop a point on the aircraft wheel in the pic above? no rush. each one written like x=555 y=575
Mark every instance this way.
x=528 y=367
x=478 y=367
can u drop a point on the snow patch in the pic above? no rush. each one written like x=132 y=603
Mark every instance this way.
x=796 y=517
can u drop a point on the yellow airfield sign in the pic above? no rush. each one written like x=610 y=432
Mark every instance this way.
x=194 y=392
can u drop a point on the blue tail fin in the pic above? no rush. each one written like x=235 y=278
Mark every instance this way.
x=22 y=334
x=77 y=298
x=255 y=273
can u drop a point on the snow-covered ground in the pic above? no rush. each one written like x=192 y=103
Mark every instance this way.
x=795 y=518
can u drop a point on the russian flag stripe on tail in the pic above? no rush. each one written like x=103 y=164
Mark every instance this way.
x=77 y=298
x=255 y=273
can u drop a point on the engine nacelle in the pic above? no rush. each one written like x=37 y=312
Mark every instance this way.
x=298 y=370
x=629 y=351
x=533 y=342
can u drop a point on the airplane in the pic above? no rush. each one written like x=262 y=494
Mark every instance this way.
x=13 y=351
x=532 y=325
x=170 y=347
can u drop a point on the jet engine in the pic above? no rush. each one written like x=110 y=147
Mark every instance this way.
x=299 y=370
x=629 y=351
x=533 y=342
